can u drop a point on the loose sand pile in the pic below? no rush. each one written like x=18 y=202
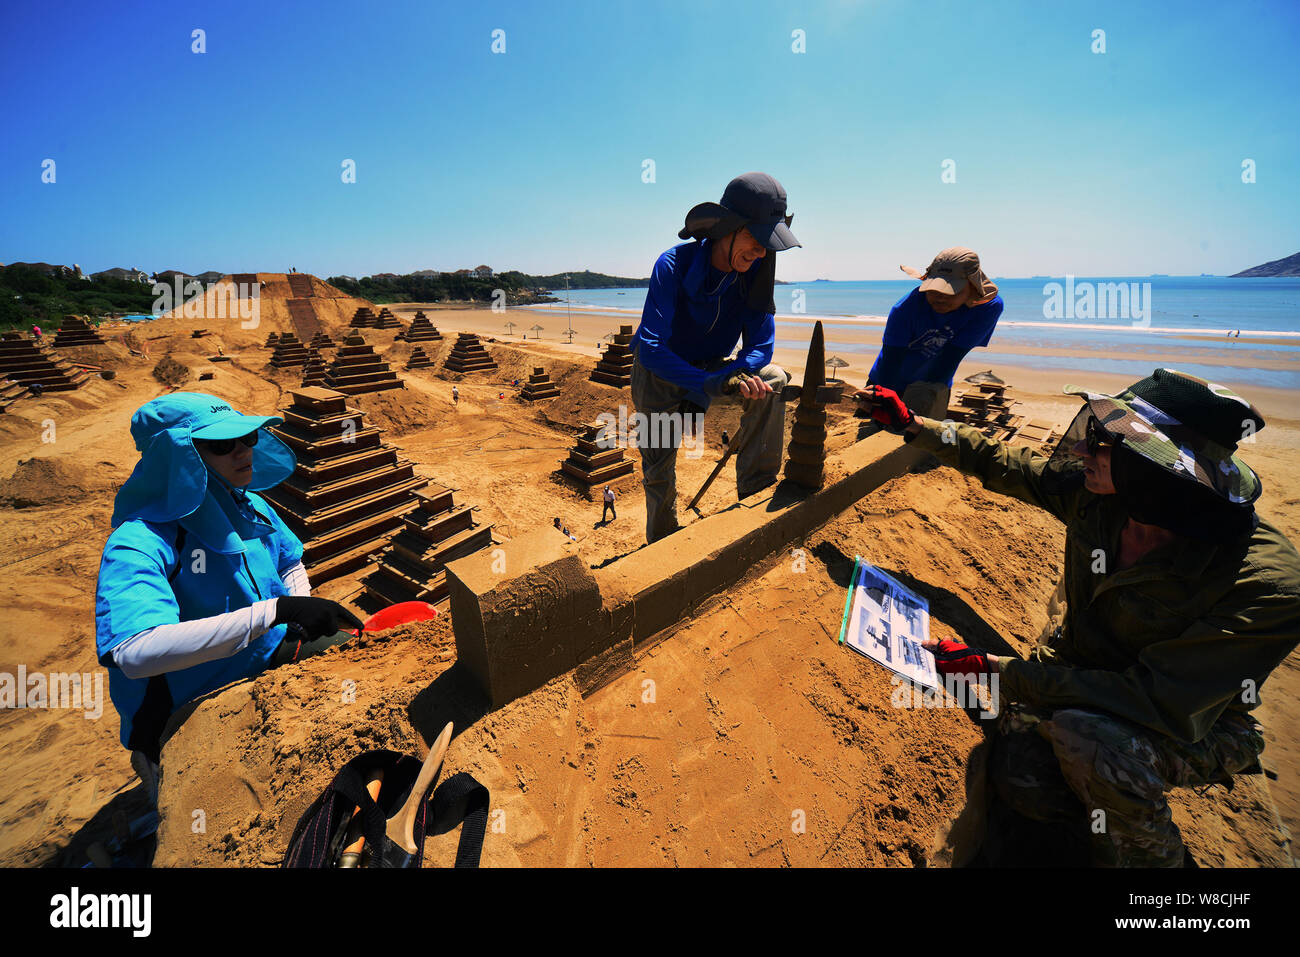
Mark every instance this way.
x=171 y=373
x=48 y=481
x=757 y=713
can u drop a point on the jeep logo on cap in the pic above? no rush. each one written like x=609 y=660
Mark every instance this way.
x=220 y=408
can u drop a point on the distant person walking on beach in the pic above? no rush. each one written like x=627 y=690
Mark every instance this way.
x=705 y=297
x=455 y=395
x=608 y=497
x=932 y=328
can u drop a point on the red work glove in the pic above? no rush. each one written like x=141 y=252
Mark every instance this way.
x=956 y=658
x=886 y=407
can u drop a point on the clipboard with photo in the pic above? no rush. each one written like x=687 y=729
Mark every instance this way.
x=887 y=622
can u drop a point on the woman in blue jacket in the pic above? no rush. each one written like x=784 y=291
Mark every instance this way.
x=201 y=583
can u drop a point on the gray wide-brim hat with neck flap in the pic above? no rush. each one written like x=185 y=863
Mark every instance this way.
x=757 y=202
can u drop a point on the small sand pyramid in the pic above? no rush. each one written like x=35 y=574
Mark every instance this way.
x=538 y=386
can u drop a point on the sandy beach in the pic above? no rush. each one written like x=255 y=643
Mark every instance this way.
x=707 y=778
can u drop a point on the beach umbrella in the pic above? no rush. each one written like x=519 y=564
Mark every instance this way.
x=537 y=332
x=510 y=328
x=835 y=362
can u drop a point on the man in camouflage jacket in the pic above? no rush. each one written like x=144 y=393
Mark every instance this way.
x=1180 y=601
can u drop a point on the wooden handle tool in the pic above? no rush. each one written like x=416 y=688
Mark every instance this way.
x=401 y=826
x=356 y=837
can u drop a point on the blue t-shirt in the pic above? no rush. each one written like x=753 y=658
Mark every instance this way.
x=933 y=343
x=146 y=580
x=693 y=313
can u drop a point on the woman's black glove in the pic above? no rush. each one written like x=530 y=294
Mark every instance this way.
x=315 y=616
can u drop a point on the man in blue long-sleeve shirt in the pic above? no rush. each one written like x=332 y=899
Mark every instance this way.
x=933 y=327
x=704 y=297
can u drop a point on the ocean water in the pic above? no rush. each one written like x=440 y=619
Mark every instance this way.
x=1114 y=321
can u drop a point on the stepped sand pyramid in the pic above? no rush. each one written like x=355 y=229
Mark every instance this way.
x=615 y=366
x=419 y=359
x=31 y=363
x=806 y=458
x=298 y=302
x=539 y=386
x=11 y=392
x=289 y=351
x=590 y=464
x=468 y=355
x=363 y=319
x=356 y=369
x=321 y=341
x=76 y=331
x=990 y=407
x=350 y=490
x=313 y=373
x=386 y=320
x=420 y=330
x=413 y=566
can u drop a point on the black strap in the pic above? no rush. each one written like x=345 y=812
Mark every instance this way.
x=461 y=798
x=150 y=719
x=458 y=799
x=180 y=557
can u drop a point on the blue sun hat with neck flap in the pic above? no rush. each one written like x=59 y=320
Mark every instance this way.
x=171 y=481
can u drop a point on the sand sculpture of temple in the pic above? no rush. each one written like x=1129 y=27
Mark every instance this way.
x=597 y=458
x=419 y=359
x=468 y=355
x=420 y=330
x=76 y=331
x=539 y=386
x=313 y=373
x=413 y=566
x=356 y=369
x=615 y=366
x=350 y=489
x=806 y=456
x=289 y=351
x=386 y=320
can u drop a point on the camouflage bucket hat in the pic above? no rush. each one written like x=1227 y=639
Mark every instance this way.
x=1186 y=425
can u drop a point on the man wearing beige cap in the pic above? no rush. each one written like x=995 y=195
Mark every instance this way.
x=933 y=327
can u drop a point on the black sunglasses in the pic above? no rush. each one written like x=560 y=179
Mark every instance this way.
x=226 y=446
x=1096 y=436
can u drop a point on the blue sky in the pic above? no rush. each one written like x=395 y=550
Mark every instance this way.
x=1118 y=163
